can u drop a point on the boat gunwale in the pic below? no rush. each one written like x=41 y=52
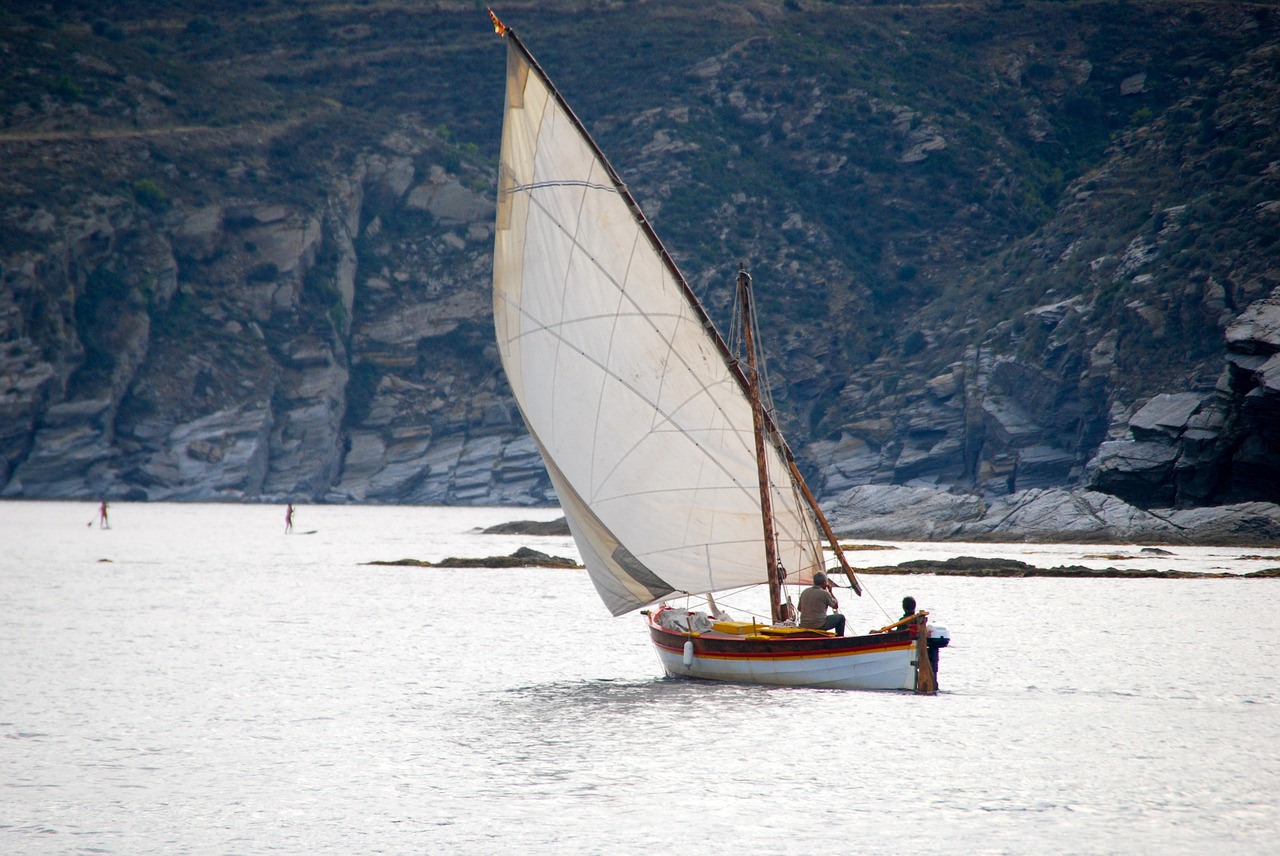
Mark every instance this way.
x=777 y=647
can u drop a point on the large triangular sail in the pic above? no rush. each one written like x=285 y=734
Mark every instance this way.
x=630 y=394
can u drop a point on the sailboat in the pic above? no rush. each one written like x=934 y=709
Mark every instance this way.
x=675 y=481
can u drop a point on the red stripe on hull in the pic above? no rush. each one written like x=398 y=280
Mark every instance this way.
x=780 y=648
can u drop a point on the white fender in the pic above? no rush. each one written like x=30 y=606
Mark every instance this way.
x=688 y=652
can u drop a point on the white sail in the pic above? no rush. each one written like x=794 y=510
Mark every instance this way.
x=644 y=427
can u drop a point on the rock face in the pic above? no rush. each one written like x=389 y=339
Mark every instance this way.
x=1187 y=448
x=247 y=256
x=1133 y=357
x=256 y=348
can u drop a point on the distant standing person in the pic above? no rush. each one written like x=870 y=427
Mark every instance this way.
x=814 y=602
x=288 y=519
x=102 y=516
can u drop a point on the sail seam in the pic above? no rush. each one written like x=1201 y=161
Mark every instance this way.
x=639 y=312
x=613 y=331
x=538 y=185
x=605 y=370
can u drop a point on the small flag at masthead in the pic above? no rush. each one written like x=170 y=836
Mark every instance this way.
x=498 y=27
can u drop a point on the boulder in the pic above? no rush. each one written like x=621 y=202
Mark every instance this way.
x=1257 y=330
x=1244 y=524
x=520 y=478
x=1042 y=466
x=1134 y=84
x=390 y=176
x=437 y=471
x=521 y=558
x=902 y=513
x=287 y=243
x=844 y=463
x=405 y=329
x=200 y=233
x=1063 y=515
x=1139 y=471
x=1009 y=424
x=451 y=204
x=1165 y=416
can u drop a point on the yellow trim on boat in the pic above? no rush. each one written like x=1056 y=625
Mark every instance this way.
x=790 y=631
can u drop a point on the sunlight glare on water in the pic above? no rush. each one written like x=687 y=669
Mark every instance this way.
x=194 y=680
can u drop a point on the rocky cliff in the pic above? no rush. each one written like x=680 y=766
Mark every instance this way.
x=254 y=347
x=999 y=247
x=1124 y=343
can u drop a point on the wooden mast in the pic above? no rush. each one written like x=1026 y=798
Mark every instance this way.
x=762 y=468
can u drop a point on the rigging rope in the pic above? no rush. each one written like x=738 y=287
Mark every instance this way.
x=726 y=596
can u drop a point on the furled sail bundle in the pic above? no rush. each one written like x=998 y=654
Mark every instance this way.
x=631 y=395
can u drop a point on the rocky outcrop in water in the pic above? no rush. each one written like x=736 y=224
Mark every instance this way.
x=552 y=528
x=524 y=557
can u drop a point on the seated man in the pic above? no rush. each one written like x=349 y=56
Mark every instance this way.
x=814 y=602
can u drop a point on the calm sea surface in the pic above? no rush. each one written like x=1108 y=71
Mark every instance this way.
x=192 y=680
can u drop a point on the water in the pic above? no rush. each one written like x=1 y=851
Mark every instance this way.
x=194 y=681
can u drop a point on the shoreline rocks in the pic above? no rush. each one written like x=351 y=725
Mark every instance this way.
x=899 y=513
x=969 y=566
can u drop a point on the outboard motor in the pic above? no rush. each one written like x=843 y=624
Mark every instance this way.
x=938 y=638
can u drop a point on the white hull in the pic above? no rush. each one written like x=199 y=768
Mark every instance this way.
x=885 y=662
